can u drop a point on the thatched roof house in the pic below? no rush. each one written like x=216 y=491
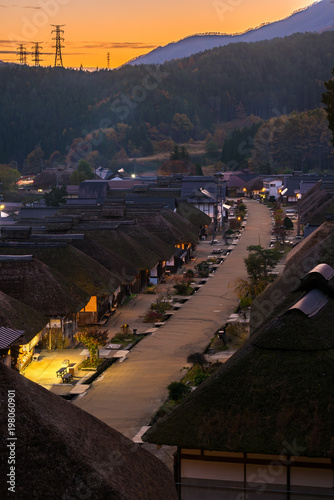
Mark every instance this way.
x=317 y=247
x=122 y=269
x=14 y=314
x=76 y=266
x=270 y=401
x=192 y=214
x=63 y=452
x=38 y=286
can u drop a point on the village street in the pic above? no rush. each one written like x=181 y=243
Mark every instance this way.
x=128 y=394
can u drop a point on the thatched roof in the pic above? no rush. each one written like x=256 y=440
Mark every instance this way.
x=40 y=287
x=278 y=388
x=255 y=184
x=317 y=247
x=189 y=230
x=193 y=214
x=168 y=226
x=52 y=177
x=139 y=232
x=76 y=266
x=123 y=270
x=14 y=314
x=131 y=249
x=62 y=451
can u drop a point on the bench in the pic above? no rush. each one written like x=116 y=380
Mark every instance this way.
x=68 y=377
x=61 y=371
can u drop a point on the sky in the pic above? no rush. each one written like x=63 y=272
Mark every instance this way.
x=125 y=29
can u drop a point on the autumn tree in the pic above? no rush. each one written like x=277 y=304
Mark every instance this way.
x=8 y=177
x=92 y=338
x=260 y=262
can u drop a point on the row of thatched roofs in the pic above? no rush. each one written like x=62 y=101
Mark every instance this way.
x=278 y=388
x=61 y=451
x=56 y=272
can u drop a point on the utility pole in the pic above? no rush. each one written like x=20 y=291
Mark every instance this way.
x=22 y=53
x=36 y=53
x=108 y=60
x=58 y=38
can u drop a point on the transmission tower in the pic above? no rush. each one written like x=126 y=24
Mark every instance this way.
x=58 y=38
x=22 y=53
x=36 y=53
x=108 y=60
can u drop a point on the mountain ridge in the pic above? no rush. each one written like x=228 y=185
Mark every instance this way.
x=317 y=17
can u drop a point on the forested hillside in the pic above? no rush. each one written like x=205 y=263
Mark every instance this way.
x=137 y=109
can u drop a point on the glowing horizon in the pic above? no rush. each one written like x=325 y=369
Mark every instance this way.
x=125 y=31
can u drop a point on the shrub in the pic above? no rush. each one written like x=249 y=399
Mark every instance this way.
x=154 y=316
x=288 y=224
x=200 y=377
x=177 y=391
x=197 y=358
x=183 y=288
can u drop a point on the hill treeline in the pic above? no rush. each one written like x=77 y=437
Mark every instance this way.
x=138 y=110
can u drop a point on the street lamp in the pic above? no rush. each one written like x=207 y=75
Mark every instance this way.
x=298 y=214
x=219 y=176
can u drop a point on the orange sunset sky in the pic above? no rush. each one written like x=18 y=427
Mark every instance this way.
x=126 y=28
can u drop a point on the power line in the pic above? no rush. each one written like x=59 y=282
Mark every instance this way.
x=108 y=60
x=36 y=53
x=58 y=38
x=22 y=53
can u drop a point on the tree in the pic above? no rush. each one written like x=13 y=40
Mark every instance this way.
x=56 y=197
x=34 y=162
x=92 y=338
x=82 y=173
x=8 y=177
x=260 y=262
x=247 y=290
x=177 y=391
x=328 y=100
x=181 y=127
x=287 y=223
x=197 y=358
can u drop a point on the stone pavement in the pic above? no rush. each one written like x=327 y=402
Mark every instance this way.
x=129 y=393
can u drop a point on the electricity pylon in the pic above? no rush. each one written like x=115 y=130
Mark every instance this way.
x=22 y=53
x=36 y=53
x=58 y=46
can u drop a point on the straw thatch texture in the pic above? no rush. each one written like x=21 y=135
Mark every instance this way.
x=316 y=248
x=277 y=389
x=193 y=214
x=122 y=269
x=41 y=287
x=16 y=315
x=83 y=271
x=63 y=452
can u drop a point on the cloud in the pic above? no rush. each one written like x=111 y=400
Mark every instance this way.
x=118 y=45
x=21 y=6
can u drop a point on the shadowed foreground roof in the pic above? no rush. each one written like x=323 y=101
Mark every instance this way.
x=278 y=388
x=40 y=287
x=16 y=315
x=63 y=452
x=316 y=248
